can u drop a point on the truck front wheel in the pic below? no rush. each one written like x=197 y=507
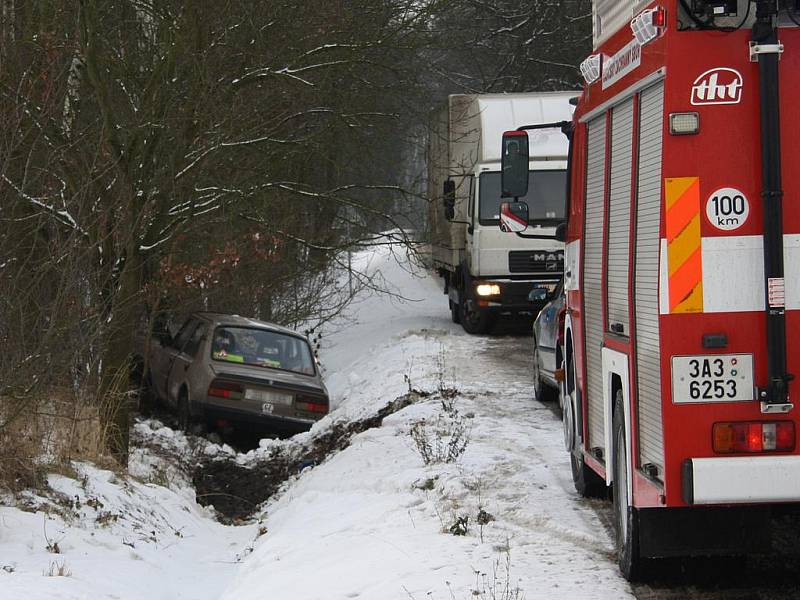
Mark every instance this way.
x=473 y=319
x=454 y=312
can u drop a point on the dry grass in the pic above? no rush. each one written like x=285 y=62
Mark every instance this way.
x=44 y=435
x=58 y=570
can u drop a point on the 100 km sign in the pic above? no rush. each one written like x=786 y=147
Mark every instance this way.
x=727 y=209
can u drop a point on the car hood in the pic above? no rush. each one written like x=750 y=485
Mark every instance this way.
x=268 y=376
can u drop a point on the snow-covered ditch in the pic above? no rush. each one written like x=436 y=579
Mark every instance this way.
x=494 y=512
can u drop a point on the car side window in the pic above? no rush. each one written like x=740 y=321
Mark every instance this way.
x=184 y=334
x=194 y=343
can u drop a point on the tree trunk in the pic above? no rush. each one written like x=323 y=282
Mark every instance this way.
x=120 y=337
x=9 y=18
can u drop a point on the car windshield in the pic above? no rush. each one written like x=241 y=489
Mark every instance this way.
x=262 y=348
x=546 y=197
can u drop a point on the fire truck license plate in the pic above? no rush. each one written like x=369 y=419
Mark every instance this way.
x=718 y=378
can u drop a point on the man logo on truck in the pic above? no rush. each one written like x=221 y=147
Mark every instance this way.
x=547 y=257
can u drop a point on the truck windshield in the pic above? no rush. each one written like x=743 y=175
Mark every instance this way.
x=546 y=197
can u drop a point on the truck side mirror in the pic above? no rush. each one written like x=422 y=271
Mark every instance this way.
x=513 y=217
x=449 y=199
x=561 y=232
x=515 y=158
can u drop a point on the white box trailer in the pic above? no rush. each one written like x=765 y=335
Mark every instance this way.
x=485 y=271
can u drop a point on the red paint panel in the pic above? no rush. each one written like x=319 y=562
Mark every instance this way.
x=726 y=153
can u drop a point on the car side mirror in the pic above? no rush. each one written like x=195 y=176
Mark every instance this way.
x=540 y=294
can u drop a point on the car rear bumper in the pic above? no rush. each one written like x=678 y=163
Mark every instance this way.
x=741 y=480
x=251 y=421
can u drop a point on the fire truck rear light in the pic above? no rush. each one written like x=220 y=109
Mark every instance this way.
x=647 y=25
x=684 y=123
x=784 y=436
x=660 y=17
x=744 y=438
x=768 y=436
x=754 y=437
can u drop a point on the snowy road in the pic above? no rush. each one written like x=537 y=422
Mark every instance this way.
x=373 y=521
x=379 y=521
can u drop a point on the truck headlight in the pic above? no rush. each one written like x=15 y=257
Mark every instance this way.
x=488 y=289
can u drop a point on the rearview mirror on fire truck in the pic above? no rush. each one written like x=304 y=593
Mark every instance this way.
x=514 y=179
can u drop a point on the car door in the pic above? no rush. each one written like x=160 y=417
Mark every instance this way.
x=165 y=358
x=182 y=365
x=547 y=334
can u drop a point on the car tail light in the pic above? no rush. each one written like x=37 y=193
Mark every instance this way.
x=311 y=405
x=562 y=319
x=748 y=437
x=225 y=389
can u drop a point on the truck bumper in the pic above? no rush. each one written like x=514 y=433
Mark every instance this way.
x=513 y=297
x=741 y=480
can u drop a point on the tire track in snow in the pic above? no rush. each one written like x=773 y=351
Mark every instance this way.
x=534 y=497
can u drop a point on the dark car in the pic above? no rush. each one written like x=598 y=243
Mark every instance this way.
x=231 y=371
x=548 y=331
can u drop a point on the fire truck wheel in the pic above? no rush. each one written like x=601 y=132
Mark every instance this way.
x=626 y=517
x=542 y=391
x=454 y=312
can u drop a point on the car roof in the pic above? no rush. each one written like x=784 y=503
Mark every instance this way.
x=238 y=321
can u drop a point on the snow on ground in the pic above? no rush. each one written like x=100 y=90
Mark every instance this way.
x=111 y=536
x=371 y=522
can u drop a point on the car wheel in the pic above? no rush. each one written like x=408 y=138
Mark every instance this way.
x=542 y=391
x=626 y=517
x=454 y=312
x=473 y=320
x=184 y=413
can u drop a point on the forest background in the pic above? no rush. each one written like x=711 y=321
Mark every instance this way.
x=177 y=155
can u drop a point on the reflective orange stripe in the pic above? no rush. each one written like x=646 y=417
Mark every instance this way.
x=683 y=283
x=684 y=256
x=684 y=208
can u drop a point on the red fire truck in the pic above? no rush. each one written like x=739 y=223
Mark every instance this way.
x=681 y=331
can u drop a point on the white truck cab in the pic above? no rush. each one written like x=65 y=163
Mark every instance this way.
x=487 y=272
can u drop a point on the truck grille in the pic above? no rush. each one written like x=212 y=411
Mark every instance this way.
x=533 y=261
